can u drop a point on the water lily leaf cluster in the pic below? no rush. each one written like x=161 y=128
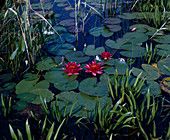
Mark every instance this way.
x=149 y=72
x=30 y=90
x=97 y=31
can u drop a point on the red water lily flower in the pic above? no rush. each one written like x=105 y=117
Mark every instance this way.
x=94 y=68
x=72 y=68
x=106 y=55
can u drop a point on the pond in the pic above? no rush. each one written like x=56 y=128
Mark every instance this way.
x=85 y=69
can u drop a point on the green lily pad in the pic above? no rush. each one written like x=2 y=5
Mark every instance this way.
x=110 y=21
x=90 y=87
x=115 y=45
x=92 y=51
x=26 y=86
x=163 y=49
x=127 y=16
x=149 y=72
x=136 y=37
x=154 y=88
x=44 y=93
x=39 y=89
x=45 y=64
x=67 y=22
x=121 y=66
x=140 y=27
x=97 y=31
x=59 y=77
x=20 y=105
x=9 y=86
x=67 y=86
x=60 y=49
x=30 y=76
x=162 y=39
x=77 y=56
x=114 y=28
x=164 y=66
x=131 y=50
x=60 y=29
x=83 y=104
x=109 y=69
x=5 y=77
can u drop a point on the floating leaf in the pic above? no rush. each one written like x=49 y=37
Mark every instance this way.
x=9 y=86
x=30 y=76
x=121 y=66
x=114 y=28
x=60 y=49
x=97 y=31
x=67 y=86
x=67 y=22
x=1 y=67
x=109 y=69
x=20 y=105
x=5 y=77
x=62 y=4
x=90 y=87
x=115 y=45
x=131 y=50
x=92 y=51
x=77 y=56
x=149 y=72
x=45 y=64
x=163 y=49
x=60 y=77
x=164 y=66
x=127 y=16
x=162 y=39
x=136 y=37
x=111 y=21
x=154 y=88
x=140 y=27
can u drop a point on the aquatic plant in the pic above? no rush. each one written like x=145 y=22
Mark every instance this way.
x=72 y=68
x=94 y=68
x=105 y=55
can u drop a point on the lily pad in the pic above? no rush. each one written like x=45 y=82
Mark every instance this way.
x=109 y=69
x=121 y=66
x=90 y=87
x=97 y=31
x=83 y=105
x=127 y=16
x=67 y=22
x=59 y=77
x=111 y=21
x=30 y=76
x=136 y=37
x=163 y=49
x=60 y=49
x=114 y=28
x=115 y=45
x=45 y=64
x=162 y=39
x=77 y=56
x=131 y=50
x=149 y=72
x=154 y=88
x=67 y=86
x=26 y=86
x=140 y=27
x=92 y=51
x=5 y=77
x=164 y=66
x=9 y=86
x=1 y=68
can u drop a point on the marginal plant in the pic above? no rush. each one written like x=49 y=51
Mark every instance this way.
x=48 y=136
